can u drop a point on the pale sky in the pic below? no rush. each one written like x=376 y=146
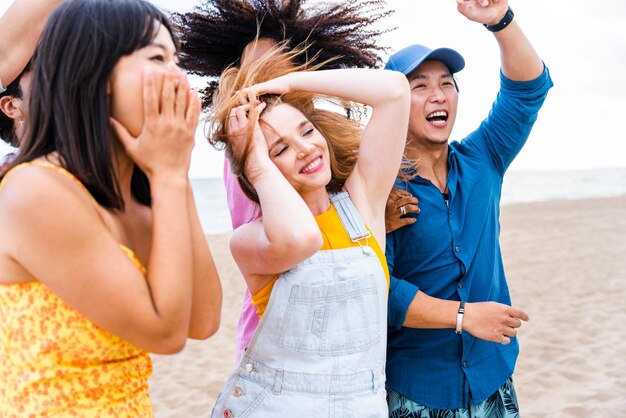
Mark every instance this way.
x=583 y=122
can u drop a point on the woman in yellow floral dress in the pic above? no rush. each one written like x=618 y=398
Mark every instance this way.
x=102 y=258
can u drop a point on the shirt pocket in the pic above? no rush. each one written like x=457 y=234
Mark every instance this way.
x=332 y=319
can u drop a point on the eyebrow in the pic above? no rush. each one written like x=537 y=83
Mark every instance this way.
x=423 y=77
x=281 y=139
x=165 y=49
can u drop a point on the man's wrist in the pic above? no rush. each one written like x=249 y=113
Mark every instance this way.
x=503 y=23
x=459 y=318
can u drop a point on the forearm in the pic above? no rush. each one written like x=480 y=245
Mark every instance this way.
x=370 y=87
x=429 y=312
x=21 y=25
x=520 y=61
x=170 y=268
x=286 y=217
x=206 y=301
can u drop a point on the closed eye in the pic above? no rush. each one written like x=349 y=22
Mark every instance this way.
x=280 y=151
x=308 y=132
x=159 y=58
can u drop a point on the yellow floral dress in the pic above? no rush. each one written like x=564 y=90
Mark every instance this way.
x=54 y=362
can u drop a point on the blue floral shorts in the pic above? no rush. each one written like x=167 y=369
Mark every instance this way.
x=502 y=404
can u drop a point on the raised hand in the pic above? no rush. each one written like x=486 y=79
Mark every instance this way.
x=493 y=321
x=488 y=12
x=238 y=129
x=170 y=119
x=279 y=85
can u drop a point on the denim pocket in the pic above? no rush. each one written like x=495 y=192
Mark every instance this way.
x=240 y=399
x=332 y=319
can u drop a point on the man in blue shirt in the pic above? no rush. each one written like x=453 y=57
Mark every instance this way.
x=446 y=266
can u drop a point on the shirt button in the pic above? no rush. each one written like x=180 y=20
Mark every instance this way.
x=457 y=249
x=460 y=285
x=228 y=413
x=237 y=392
x=249 y=368
x=450 y=212
x=465 y=364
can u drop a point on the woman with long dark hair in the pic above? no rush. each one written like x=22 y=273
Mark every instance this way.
x=102 y=258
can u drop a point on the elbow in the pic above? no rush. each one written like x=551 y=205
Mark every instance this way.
x=399 y=89
x=207 y=329
x=308 y=242
x=304 y=241
x=168 y=338
x=169 y=344
x=315 y=240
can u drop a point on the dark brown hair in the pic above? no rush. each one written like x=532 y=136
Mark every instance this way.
x=7 y=124
x=69 y=110
x=214 y=36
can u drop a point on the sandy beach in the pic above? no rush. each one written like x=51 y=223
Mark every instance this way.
x=566 y=266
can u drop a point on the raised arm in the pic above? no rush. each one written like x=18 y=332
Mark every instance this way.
x=383 y=139
x=520 y=61
x=287 y=233
x=21 y=27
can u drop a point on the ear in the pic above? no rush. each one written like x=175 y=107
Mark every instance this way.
x=8 y=107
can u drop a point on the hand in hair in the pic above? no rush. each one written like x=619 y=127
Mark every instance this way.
x=170 y=118
x=278 y=86
x=243 y=123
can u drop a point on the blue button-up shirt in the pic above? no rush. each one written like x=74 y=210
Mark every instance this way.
x=453 y=252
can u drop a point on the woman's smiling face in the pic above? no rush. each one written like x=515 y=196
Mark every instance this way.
x=296 y=147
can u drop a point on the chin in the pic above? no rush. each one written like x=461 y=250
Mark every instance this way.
x=437 y=141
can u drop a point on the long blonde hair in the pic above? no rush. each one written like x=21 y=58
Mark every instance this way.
x=341 y=133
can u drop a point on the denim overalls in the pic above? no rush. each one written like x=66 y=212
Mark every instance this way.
x=319 y=350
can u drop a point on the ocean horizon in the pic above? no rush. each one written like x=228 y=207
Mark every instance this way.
x=518 y=187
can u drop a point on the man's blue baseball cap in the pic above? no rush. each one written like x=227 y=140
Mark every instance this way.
x=409 y=58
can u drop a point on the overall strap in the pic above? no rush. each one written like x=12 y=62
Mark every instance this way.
x=350 y=216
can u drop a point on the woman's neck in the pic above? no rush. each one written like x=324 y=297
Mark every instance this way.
x=318 y=200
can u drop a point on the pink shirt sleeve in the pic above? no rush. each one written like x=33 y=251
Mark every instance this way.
x=242 y=211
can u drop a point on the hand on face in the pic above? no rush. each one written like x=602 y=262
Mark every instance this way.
x=170 y=118
x=488 y=12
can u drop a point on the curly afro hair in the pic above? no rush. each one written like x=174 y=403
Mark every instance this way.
x=339 y=34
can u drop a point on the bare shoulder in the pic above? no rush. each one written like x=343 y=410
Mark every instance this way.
x=33 y=187
x=34 y=197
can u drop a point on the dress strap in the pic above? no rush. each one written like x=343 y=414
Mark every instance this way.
x=51 y=166
x=350 y=216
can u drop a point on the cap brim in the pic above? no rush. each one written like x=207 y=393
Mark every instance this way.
x=452 y=59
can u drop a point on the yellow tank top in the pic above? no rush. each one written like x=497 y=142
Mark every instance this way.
x=335 y=237
x=55 y=362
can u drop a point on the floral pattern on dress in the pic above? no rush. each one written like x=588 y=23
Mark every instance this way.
x=54 y=362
